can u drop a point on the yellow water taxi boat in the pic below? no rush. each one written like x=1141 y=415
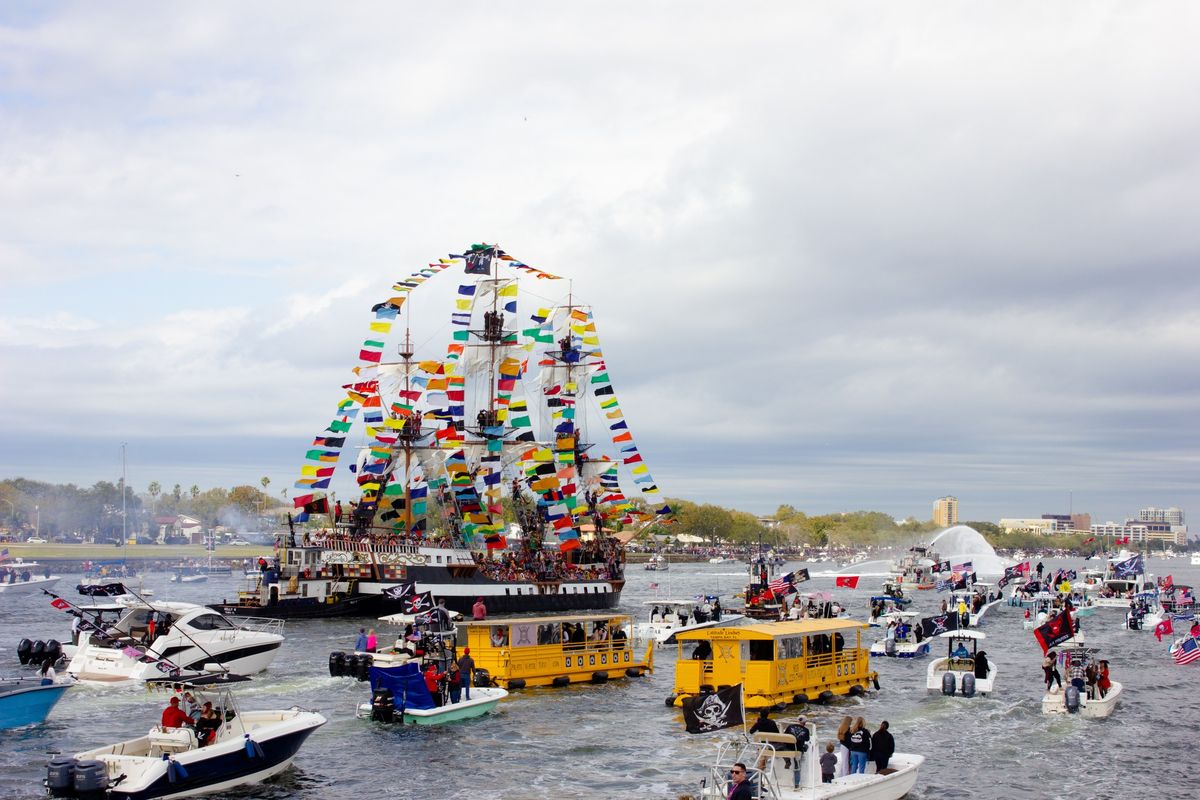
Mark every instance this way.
x=556 y=651
x=777 y=663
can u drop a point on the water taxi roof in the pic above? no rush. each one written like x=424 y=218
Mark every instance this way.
x=669 y=601
x=541 y=620
x=773 y=630
x=963 y=635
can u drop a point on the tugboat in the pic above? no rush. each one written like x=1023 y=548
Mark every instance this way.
x=446 y=437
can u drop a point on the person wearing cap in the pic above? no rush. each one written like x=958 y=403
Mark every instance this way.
x=799 y=730
x=173 y=716
x=466 y=666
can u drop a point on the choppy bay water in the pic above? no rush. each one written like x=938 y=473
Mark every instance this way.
x=620 y=740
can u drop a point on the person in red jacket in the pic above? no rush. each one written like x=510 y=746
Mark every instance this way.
x=433 y=680
x=175 y=717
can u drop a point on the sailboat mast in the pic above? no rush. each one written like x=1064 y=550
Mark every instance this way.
x=124 y=525
x=407 y=354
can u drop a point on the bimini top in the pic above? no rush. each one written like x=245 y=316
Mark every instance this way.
x=205 y=681
x=775 y=630
x=963 y=634
x=540 y=620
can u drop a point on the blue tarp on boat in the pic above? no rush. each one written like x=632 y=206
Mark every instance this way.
x=406 y=684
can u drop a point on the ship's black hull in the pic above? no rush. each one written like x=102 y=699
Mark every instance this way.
x=360 y=605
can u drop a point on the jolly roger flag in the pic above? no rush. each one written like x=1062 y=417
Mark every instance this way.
x=941 y=566
x=711 y=712
x=1057 y=630
x=419 y=603
x=800 y=576
x=479 y=262
x=932 y=626
x=399 y=591
x=102 y=590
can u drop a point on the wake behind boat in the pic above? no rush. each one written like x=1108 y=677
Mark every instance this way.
x=223 y=749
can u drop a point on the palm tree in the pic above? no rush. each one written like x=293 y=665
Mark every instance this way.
x=155 y=489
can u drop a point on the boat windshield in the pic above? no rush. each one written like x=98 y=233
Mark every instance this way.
x=211 y=622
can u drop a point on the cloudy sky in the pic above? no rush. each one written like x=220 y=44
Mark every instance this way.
x=842 y=255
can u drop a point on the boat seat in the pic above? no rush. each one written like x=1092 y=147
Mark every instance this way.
x=172 y=740
x=784 y=744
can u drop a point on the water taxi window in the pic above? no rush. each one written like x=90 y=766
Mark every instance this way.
x=762 y=651
x=524 y=634
x=550 y=633
x=499 y=636
x=791 y=647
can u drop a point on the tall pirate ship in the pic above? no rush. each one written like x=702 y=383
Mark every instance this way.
x=475 y=476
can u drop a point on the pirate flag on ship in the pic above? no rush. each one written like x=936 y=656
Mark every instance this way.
x=709 y=712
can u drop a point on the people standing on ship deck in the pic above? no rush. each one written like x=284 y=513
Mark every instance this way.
x=466 y=665
x=843 y=765
x=858 y=741
x=882 y=747
x=1050 y=670
x=740 y=788
x=717 y=609
x=764 y=723
x=479 y=610
x=372 y=642
x=454 y=682
x=829 y=764
x=1102 y=681
x=433 y=680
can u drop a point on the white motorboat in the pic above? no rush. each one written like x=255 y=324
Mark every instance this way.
x=977 y=600
x=658 y=563
x=959 y=671
x=399 y=694
x=25 y=577
x=1076 y=696
x=239 y=748
x=666 y=618
x=1043 y=606
x=768 y=772
x=147 y=641
x=884 y=607
x=1120 y=583
x=1145 y=612
x=902 y=639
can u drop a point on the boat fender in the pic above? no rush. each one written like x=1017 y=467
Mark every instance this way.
x=968 y=685
x=53 y=650
x=634 y=672
x=60 y=776
x=780 y=707
x=856 y=690
x=91 y=778
x=561 y=680
x=889 y=647
x=948 y=686
x=1071 y=698
x=800 y=699
x=600 y=676
x=670 y=702
x=253 y=748
x=825 y=697
x=175 y=771
x=875 y=681
x=516 y=683
x=37 y=653
x=23 y=649
x=336 y=664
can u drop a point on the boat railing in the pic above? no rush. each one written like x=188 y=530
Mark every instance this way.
x=759 y=758
x=261 y=625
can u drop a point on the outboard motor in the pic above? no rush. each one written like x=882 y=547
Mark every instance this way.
x=889 y=646
x=37 y=654
x=53 y=650
x=482 y=678
x=91 y=780
x=363 y=667
x=1071 y=698
x=948 y=684
x=382 y=707
x=337 y=665
x=23 y=649
x=968 y=685
x=60 y=776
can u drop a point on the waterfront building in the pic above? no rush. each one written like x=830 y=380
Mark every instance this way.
x=945 y=511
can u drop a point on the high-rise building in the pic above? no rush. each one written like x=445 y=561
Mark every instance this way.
x=945 y=511
x=1171 y=516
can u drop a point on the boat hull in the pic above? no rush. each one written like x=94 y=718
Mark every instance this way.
x=983 y=686
x=31 y=586
x=1095 y=708
x=218 y=767
x=483 y=700
x=903 y=650
x=30 y=704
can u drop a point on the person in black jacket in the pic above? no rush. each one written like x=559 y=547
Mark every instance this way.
x=740 y=790
x=882 y=747
x=981 y=665
x=764 y=724
x=800 y=731
x=858 y=742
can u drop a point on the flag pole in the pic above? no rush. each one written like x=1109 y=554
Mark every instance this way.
x=742 y=700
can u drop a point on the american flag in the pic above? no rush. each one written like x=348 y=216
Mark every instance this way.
x=963 y=567
x=1188 y=652
x=4 y=554
x=782 y=584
